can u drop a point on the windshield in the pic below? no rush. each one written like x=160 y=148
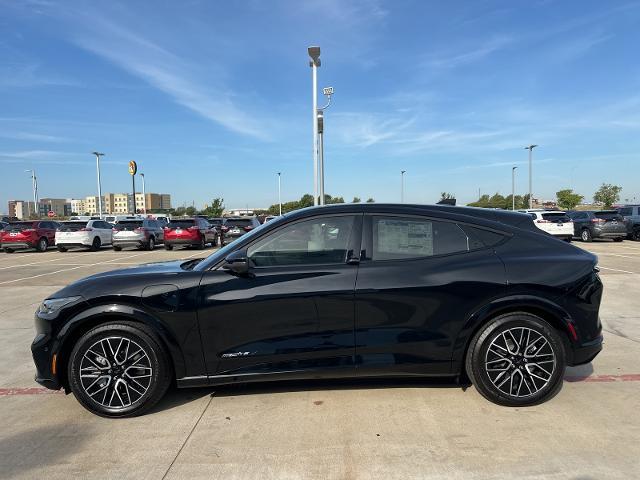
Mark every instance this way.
x=238 y=222
x=71 y=226
x=127 y=225
x=217 y=256
x=19 y=226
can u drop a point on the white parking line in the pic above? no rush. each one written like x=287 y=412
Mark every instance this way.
x=69 y=269
x=617 y=255
x=615 y=270
x=45 y=261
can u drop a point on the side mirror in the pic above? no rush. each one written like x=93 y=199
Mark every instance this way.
x=237 y=262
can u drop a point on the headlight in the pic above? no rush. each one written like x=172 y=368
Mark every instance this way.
x=52 y=305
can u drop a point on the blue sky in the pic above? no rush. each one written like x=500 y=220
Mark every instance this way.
x=212 y=98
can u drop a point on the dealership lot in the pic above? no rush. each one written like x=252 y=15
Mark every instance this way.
x=374 y=429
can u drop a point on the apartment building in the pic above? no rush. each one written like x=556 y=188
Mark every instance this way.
x=60 y=206
x=77 y=205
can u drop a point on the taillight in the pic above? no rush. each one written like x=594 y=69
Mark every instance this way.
x=29 y=230
x=86 y=229
x=224 y=228
x=140 y=229
x=114 y=229
x=597 y=220
x=248 y=228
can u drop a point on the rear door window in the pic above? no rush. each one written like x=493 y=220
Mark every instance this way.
x=626 y=211
x=398 y=238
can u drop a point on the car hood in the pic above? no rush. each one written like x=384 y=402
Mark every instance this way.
x=130 y=281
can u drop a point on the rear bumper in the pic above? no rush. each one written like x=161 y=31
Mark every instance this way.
x=129 y=243
x=609 y=233
x=586 y=352
x=182 y=241
x=17 y=245
x=73 y=244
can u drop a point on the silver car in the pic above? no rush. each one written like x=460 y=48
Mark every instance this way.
x=144 y=234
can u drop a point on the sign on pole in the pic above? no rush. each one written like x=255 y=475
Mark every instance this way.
x=133 y=168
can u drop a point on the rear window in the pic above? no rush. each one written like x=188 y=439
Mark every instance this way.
x=238 y=222
x=556 y=217
x=181 y=223
x=19 y=226
x=215 y=221
x=608 y=215
x=71 y=226
x=127 y=225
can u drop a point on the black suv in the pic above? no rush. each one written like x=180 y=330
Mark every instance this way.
x=234 y=227
x=590 y=224
x=631 y=214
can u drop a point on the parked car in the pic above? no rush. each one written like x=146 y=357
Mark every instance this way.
x=38 y=234
x=3 y=225
x=268 y=218
x=554 y=222
x=118 y=218
x=145 y=233
x=91 y=234
x=194 y=232
x=234 y=227
x=631 y=214
x=162 y=219
x=588 y=225
x=330 y=292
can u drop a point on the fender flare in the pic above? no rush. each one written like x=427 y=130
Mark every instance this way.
x=544 y=308
x=122 y=311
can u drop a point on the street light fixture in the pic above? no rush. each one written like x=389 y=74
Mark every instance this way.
x=34 y=186
x=513 y=188
x=402 y=172
x=279 y=194
x=530 y=148
x=98 y=155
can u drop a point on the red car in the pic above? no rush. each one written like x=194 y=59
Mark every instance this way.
x=32 y=234
x=195 y=232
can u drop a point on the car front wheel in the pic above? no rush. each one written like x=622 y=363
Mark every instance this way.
x=516 y=360
x=585 y=235
x=119 y=370
x=42 y=245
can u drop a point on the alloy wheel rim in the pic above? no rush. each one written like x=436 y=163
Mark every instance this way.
x=115 y=372
x=520 y=362
x=585 y=235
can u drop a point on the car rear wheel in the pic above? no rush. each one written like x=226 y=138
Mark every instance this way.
x=8 y=250
x=95 y=246
x=116 y=248
x=516 y=360
x=42 y=245
x=168 y=247
x=119 y=369
x=151 y=244
x=61 y=248
x=585 y=235
x=636 y=235
x=201 y=244
x=618 y=239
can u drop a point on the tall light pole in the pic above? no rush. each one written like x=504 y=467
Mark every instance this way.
x=530 y=148
x=402 y=172
x=279 y=194
x=513 y=188
x=98 y=155
x=144 y=196
x=314 y=54
x=34 y=187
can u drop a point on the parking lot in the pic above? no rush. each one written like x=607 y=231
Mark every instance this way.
x=347 y=429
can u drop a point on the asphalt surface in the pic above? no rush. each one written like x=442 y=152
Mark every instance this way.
x=347 y=429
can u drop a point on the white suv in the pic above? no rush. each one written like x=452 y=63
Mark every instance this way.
x=92 y=234
x=554 y=222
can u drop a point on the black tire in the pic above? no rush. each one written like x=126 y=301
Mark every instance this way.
x=585 y=235
x=168 y=247
x=134 y=397
x=201 y=245
x=96 y=244
x=151 y=244
x=518 y=367
x=618 y=239
x=116 y=248
x=61 y=248
x=221 y=241
x=8 y=250
x=636 y=235
x=215 y=241
x=42 y=245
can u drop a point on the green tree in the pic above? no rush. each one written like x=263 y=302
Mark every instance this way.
x=215 y=209
x=483 y=202
x=355 y=200
x=370 y=200
x=190 y=211
x=567 y=199
x=607 y=194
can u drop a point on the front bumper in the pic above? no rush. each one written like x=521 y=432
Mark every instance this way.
x=41 y=350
